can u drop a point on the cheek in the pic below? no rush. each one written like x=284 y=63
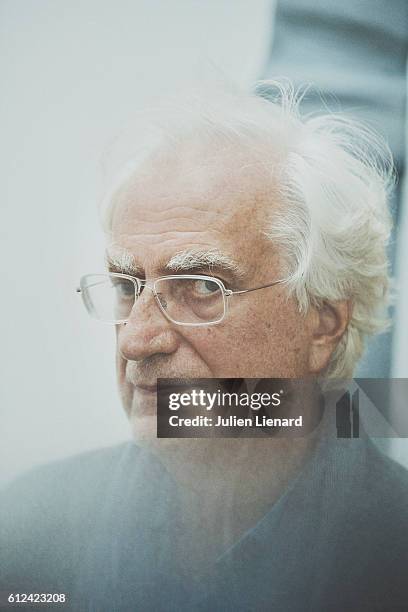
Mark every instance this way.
x=231 y=350
x=125 y=388
x=120 y=362
x=256 y=343
x=284 y=339
x=120 y=367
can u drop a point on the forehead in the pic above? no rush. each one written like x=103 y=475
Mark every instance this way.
x=195 y=199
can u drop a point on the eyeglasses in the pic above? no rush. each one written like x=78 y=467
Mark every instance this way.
x=184 y=299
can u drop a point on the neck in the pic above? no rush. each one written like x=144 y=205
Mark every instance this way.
x=227 y=485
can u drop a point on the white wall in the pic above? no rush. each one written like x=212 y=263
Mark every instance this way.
x=72 y=73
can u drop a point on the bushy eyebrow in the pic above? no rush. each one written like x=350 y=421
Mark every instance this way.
x=213 y=259
x=123 y=262
x=191 y=260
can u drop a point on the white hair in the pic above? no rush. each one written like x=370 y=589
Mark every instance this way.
x=332 y=176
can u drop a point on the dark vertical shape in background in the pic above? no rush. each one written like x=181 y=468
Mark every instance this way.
x=354 y=52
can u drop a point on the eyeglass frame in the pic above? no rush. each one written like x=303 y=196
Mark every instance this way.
x=138 y=282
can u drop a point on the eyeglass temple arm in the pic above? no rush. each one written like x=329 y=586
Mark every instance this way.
x=228 y=291
x=256 y=288
x=79 y=290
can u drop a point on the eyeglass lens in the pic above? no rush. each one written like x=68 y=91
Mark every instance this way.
x=184 y=300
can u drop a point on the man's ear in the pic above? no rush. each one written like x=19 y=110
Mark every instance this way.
x=329 y=322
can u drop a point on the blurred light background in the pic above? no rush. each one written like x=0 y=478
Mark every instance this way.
x=73 y=72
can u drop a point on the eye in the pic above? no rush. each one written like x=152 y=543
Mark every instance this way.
x=206 y=287
x=124 y=288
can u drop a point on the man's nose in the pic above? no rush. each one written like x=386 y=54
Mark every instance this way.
x=147 y=331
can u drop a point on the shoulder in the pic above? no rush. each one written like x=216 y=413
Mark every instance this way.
x=386 y=481
x=59 y=475
x=368 y=495
x=46 y=514
x=58 y=492
x=367 y=545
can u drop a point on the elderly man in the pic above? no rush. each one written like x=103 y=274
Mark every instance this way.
x=247 y=242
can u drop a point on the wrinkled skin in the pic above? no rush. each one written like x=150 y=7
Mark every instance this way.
x=183 y=204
